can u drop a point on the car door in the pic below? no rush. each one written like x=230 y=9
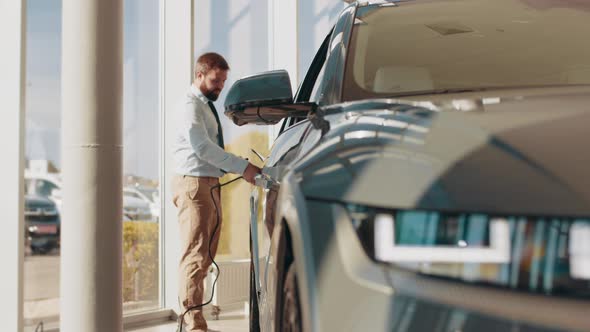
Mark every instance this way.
x=285 y=149
x=262 y=208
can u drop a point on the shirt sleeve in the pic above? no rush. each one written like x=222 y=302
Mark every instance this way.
x=204 y=147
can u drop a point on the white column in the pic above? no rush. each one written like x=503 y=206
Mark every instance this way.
x=176 y=63
x=92 y=91
x=283 y=46
x=12 y=95
x=283 y=49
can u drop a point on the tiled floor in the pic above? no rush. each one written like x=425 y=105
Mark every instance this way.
x=228 y=322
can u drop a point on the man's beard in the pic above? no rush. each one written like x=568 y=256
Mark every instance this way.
x=210 y=94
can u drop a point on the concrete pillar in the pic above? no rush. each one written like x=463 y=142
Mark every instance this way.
x=92 y=85
x=177 y=64
x=12 y=95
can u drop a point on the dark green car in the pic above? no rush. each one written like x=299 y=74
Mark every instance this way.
x=42 y=224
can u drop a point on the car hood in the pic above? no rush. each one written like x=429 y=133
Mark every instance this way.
x=524 y=154
x=36 y=201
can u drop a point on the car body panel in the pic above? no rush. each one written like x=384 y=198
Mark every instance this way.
x=284 y=150
x=498 y=150
x=443 y=158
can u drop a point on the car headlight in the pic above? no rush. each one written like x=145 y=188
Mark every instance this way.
x=41 y=212
x=32 y=212
x=515 y=251
x=401 y=236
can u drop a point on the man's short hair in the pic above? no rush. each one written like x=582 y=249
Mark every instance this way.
x=209 y=61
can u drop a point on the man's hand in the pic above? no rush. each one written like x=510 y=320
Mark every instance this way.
x=250 y=172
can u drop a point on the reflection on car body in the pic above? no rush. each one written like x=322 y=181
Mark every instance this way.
x=439 y=181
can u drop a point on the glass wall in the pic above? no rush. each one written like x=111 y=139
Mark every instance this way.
x=141 y=196
x=316 y=19
x=42 y=153
x=141 y=204
x=238 y=30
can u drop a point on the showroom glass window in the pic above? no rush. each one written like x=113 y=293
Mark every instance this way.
x=43 y=184
x=236 y=30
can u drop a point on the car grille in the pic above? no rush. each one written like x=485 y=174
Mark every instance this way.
x=41 y=215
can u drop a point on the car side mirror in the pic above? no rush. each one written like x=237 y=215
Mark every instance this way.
x=263 y=99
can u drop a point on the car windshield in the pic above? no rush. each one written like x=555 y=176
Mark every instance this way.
x=39 y=187
x=455 y=46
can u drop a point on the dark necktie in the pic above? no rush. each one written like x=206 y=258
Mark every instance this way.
x=219 y=130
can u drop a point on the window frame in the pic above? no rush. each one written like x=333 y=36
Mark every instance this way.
x=309 y=82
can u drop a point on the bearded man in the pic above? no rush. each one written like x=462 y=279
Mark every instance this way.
x=200 y=159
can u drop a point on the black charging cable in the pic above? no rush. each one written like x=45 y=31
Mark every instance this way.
x=181 y=317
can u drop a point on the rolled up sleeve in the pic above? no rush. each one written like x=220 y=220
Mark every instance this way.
x=207 y=150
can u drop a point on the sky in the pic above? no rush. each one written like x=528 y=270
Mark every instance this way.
x=43 y=79
x=43 y=118
x=238 y=29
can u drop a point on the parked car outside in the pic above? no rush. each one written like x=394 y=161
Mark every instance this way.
x=431 y=172
x=136 y=207
x=45 y=185
x=42 y=224
x=147 y=195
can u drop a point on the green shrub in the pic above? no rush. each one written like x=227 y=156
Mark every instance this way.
x=140 y=261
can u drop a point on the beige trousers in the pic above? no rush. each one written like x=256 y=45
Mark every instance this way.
x=197 y=218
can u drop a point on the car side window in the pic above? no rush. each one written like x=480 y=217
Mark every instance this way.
x=313 y=74
x=283 y=125
x=311 y=83
x=293 y=121
x=286 y=124
x=44 y=188
x=316 y=91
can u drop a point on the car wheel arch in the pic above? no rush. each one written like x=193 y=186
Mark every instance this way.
x=291 y=215
x=289 y=247
x=285 y=258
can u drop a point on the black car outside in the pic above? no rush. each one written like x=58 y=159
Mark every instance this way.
x=42 y=224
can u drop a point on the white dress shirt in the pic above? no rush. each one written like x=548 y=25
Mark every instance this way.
x=196 y=152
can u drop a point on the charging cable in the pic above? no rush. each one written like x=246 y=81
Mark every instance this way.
x=181 y=317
